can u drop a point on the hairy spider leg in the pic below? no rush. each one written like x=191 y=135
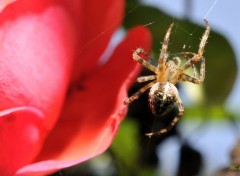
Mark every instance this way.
x=164 y=53
x=204 y=39
x=143 y=62
x=172 y=124
x=185 y=55
x=178 y=60
x=146 y=78
x=161 y=71
x=198 y=56
x=185 y=77
x=138 y=93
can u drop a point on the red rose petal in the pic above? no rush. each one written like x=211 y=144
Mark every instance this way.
x=21 y=136
x=36 y=45
x=5 y=3
x=92 y=114
x=121 y=63
x=98 y=21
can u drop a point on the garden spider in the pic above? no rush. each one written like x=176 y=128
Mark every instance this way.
x=163 y=93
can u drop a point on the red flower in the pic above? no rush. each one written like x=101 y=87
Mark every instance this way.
x=59 y=106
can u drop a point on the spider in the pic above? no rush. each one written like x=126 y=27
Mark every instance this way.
x=163 y=94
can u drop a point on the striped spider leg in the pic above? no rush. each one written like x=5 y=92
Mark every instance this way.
x=195 y=58
x=163 y=94
x=152 y=78
x=157 y=70
x=195 y=79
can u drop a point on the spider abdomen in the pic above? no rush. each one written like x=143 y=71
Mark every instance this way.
x=162 y=96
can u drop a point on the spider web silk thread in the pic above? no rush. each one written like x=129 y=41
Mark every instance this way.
x=185 y=45
x=210 y=9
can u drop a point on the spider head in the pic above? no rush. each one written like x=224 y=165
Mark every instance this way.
x=162 y=97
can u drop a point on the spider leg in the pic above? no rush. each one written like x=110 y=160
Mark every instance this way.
x=178 y=60
x=185 y=55
x=185 y=77
x=143 y=62
x=146 y=78
x=204 y=39
x=174 y=121
x=138 y=93
x=164 y=54
x=190 y=62
x=197 y=57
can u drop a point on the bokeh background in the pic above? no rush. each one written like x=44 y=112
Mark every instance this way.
x=206 y=140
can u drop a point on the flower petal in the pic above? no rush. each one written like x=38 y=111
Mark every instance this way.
x=92 y=113
x=36 y=45
x=121 y=67
x=98 y=21
x=21 y=135
x=36 y=42
x=5 y=3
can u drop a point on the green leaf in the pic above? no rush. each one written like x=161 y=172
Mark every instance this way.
x=221 y=68
x=126 y=150
x=209 y=112
x=125 y=147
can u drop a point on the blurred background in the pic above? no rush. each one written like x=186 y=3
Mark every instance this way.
x=206 y=140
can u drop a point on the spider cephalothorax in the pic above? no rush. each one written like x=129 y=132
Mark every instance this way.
x=163 y=93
